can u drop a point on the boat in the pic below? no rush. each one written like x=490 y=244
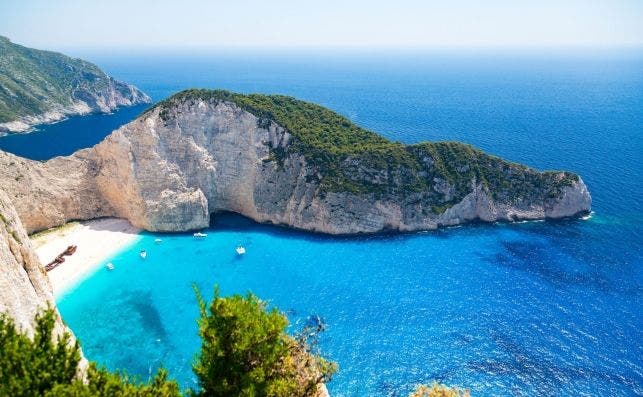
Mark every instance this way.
x=53 y=264
x=200 y=235
x=143 y=254
x=158 y=241
x=110 y=266
x=240 y=250
x=70 y=250
x=60 y=258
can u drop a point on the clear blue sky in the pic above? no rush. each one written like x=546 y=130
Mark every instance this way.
x=294 y=23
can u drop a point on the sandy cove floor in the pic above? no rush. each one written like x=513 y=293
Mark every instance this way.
x=96 y=240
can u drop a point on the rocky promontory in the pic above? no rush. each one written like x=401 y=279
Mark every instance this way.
x=42 y=86
x=279 y=160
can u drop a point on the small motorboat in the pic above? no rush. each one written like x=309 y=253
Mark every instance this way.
x=240 y=250
x=109 y=266
x=200 y=235
x=143 y=254
x=158 y=241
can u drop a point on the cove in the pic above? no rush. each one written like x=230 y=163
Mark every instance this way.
x=551 y=309
x=517 y=307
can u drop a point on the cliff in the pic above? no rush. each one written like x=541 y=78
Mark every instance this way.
x=24 y=286
x=43 y=86
x=279 y=160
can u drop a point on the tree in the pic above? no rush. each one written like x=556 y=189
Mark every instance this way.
x=48 y=366
x=29 y=367
x=101 y=382
x=246 y=351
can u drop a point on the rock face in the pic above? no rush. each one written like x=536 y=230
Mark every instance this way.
x=196 y=155
x=24 y=286
x=52 y=193
x=42 y=86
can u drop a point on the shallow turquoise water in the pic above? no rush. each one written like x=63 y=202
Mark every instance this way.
x=550 y=308
x=516 y=307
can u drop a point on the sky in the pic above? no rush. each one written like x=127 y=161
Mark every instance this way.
x=321 y=23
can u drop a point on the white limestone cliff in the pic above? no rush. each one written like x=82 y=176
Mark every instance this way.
x=24 y=286
x=171 y=174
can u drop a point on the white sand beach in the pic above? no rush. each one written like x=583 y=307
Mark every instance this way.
x=96 y=240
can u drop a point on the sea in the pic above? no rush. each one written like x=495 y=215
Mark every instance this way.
x=550 y=308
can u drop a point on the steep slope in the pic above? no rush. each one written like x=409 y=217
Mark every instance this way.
x=24 y=286
x=43 y=86
x=51 y=193
x=279 y=160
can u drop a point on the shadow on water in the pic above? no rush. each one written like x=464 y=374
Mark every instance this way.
x=533 y=371
x=541 y=373
x=142 y=304
x=230 y=221
x=544 y=259
x=592 y=241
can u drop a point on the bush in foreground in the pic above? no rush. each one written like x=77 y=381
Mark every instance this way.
x=48 y=366
x=438 y=390
x=246 y=351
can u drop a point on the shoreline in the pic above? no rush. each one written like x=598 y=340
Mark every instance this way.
x=97 y=240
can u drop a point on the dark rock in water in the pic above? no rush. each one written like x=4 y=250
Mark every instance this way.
x=315 y=322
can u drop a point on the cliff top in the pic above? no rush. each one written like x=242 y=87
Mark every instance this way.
x=333 y=143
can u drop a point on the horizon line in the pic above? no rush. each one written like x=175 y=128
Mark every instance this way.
x=329 y=47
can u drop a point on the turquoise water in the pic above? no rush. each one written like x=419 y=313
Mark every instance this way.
x=548 y=308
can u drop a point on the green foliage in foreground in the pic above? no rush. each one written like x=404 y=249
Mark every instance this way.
x=247 y=352
x=438 y=390
x=44 y=366
x=101 y=382
x=349 y=158
x=32 y=367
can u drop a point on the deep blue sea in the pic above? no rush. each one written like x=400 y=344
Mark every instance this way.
x=544 y=308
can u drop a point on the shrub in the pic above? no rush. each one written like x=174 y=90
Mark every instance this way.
x=101 y=382
x=246 y=352
x=44 y=366
x=438 y=390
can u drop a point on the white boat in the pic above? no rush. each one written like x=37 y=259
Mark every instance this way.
x=143 y=254
x=109 y=266
x=158 y=241
x=240 y=250
x=200 y=235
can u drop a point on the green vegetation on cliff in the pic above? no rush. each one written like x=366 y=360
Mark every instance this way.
x=34 y=81
x=352 y=159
